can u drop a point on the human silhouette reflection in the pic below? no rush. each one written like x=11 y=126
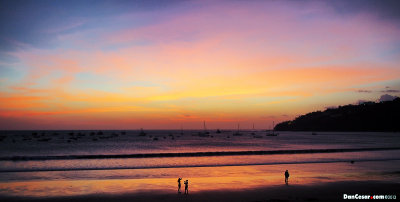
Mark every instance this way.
x=179 y=185
x=186 y=187
x=287 y=177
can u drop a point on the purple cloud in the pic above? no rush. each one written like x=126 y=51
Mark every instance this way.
x=364 y=91
x=390 y=91
x=387 y=97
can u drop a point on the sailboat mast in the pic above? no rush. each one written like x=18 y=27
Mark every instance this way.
x=273 y=128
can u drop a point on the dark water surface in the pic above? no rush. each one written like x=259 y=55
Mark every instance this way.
x=85 y=162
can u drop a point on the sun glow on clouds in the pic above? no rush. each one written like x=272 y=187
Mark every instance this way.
x=224 y=62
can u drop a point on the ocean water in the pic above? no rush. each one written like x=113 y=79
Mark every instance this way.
x=87 y=162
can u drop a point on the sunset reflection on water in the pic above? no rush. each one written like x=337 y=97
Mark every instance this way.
x=200 y=178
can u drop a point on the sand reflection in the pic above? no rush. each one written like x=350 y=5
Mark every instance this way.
x=200 y=178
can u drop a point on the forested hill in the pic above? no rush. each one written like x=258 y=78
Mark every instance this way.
x=370 y=116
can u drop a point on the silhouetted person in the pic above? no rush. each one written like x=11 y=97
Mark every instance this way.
x=179 y=185
x=186 y=186
x=286 y=176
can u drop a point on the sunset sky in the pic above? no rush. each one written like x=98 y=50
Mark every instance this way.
x=172 y=64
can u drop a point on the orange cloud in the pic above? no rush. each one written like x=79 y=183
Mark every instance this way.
x=220 y=63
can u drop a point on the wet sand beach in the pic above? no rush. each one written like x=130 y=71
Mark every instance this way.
x=318 y=192
x=130 y=167
x=307 y=182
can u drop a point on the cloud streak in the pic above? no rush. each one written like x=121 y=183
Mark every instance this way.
x=223 y=61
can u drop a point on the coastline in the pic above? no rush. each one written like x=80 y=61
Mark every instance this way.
x=354 y=164
x=331 y=191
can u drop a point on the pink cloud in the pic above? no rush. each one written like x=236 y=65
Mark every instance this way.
x=207 y=60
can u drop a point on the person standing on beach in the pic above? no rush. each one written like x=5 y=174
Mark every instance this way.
x=179 y=185
x=286 y=176
x=186 y=186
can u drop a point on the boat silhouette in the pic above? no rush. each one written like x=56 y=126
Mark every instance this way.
x=272 y=133
x=253 y=132
x=204 y=133
x=142 y=133
x=237 y=133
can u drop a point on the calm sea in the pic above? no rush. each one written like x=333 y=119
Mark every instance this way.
x=28 y=157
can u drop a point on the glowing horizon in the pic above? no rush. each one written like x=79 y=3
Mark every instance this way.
x=173 y=65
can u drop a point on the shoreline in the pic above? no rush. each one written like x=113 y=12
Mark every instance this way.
x=195 y=154
x=147 y=183
x=328 y=191
x=200 y=166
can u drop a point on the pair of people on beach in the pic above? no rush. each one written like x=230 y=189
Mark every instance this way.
x=186 y=186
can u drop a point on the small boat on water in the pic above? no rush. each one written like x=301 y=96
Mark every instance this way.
x=253 y=131
x=237 y=133
x=272 y=133
x=205 y=133
x=142 y=133
x=44 y=139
